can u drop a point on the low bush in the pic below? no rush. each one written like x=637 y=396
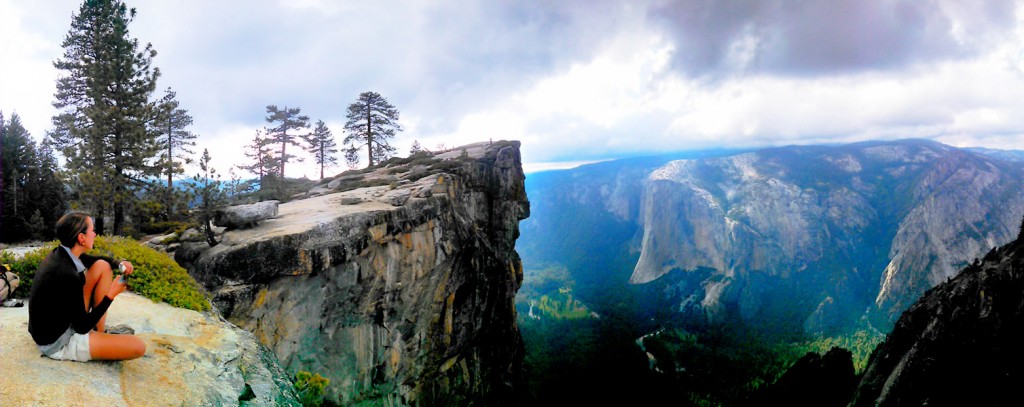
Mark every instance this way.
x=310 y=388
x=156 y=276
x=25 y=267
x=165 y=227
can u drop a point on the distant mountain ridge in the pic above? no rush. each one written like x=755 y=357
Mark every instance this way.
x=1008 y=155
x=811 y=237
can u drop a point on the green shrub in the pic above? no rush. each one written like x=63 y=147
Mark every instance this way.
x=310 y=388
x=156 y=276
x=165 y=227
x=25 y=267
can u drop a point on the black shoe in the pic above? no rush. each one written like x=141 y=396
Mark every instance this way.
x=120 y=330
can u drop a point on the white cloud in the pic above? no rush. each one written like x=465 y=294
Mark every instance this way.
x=27 y=76
x=573 y=81
x=529 y=168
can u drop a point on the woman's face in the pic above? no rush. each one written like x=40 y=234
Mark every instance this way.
x=86 y=239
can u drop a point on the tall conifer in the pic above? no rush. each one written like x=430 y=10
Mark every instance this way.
x=372 y=123
x=289 y=120
x=17 y=160
x=321 y=144
x=104 y=124
x=172 y=122
x=261 y=160
x=175 y=140
x=30 y=195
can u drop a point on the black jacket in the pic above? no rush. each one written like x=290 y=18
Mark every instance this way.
x=56 y=301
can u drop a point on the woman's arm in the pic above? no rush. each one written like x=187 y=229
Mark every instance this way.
x=83 y=321
x=88 y=260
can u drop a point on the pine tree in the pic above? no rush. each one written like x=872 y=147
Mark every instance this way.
x=30 y=193
x=174 y=139
x=372 y=123
x=321 y=144
x=206 y=187
x=290 y=120
x=103 y=127
x=17 y=160
x=261 y=161
x=47 y=193
x=416 y=147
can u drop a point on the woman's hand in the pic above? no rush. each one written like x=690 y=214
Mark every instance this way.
x=128 y=267
x=116 y=287
x=119 y=285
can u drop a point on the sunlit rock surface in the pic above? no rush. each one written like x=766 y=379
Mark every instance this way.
x=192 y=359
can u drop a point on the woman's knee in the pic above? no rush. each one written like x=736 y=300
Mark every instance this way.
x=100 y=269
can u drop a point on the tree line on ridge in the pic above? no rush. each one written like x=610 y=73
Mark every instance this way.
x=125 y=149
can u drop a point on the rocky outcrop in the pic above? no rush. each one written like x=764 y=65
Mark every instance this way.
x=240 y=216
x=396 y=283
x=191 y=359
x=819 y=234
x=965 y=206
x=960 y=344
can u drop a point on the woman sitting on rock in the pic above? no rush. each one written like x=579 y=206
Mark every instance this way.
x=70 y=296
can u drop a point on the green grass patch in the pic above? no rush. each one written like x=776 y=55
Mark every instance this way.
x=156 y=275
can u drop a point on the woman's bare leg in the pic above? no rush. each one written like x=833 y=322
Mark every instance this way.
x=103 y=346
x=97 y=283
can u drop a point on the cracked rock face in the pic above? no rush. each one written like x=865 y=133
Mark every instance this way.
x=192 y=359
x=397 y=284
x=960 y=344
x=831 y=230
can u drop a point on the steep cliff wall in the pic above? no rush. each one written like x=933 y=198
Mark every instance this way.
x=958 y=345
x=819 y=234
x=397 y=284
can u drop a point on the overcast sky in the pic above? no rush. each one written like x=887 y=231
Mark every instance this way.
x=573 y=80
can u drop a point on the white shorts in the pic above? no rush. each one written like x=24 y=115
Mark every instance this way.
x=77 y=349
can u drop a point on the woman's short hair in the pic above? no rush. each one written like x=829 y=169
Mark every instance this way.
x=70 y=226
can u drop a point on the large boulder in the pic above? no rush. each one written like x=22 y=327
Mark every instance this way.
x=244 y=216
x=192 y=359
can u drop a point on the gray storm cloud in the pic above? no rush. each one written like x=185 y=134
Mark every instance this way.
x=807 y=38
